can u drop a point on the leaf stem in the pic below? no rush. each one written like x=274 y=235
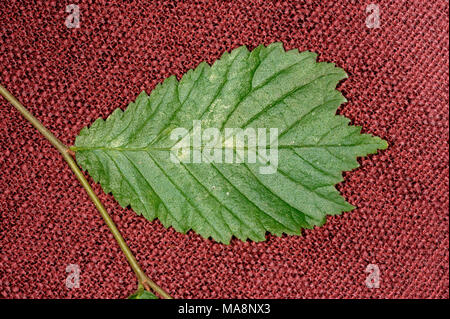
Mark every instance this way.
x=67 y=155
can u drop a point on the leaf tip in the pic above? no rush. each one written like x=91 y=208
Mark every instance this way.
x=384 y=144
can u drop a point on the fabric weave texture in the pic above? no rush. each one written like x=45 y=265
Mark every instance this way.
x=397 y=89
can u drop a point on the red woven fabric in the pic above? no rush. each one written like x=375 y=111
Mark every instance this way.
x=397 y=89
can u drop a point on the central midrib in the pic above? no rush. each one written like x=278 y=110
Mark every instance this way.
x=150 y=148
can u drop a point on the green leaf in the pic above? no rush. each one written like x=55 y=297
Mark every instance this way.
x=129 y=153
x=142 y=294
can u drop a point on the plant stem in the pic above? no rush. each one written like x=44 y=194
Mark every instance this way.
x=67 y=155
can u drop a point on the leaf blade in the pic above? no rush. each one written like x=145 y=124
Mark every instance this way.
x=267 y=87
x=142 y=294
